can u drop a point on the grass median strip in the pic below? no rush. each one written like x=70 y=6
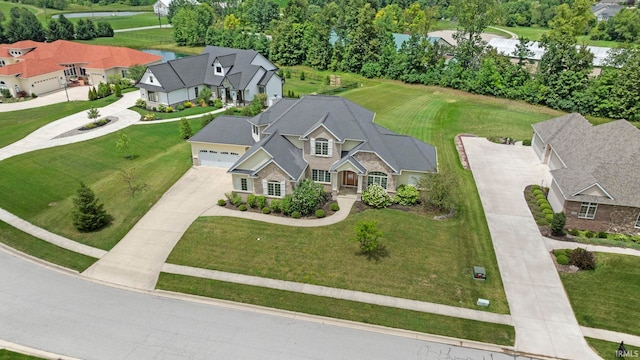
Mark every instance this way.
x=41 y=249
x=341 y=309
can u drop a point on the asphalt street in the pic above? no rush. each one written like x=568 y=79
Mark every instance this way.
x=71 y=316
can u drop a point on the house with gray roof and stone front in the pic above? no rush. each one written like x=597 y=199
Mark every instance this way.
x=235 y=76
x=329 y=139
x=594 y=169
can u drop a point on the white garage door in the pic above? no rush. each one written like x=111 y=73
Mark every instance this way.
x=218 y=158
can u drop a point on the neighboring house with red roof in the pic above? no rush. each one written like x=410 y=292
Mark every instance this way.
x=39 y=68
x=595 y=172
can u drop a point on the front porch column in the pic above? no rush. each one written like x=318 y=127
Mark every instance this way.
x=360 y=180
x=335 y=179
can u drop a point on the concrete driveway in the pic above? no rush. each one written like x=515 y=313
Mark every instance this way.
x=541 y=312
x=138 y=258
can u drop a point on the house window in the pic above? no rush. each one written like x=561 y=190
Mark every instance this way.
x=261 y=90
x=377 y=177
x=321 y=176
x=638 y=221
x=588 y=210
x=152 y=96
x=124 y=73
x=255 y=129
x=322 y=147
x=150 y=79
x=274 y=188
x=196 y=90
x=244 y=186
x=218 y=69
x=2 y=63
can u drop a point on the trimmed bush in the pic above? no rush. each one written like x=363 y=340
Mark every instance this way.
x=141 y=103
x=236 y=200
x=548 y=218
x=179 y=107
x=538 y=192
x=275 y=205
x=547 y=211
x=574 y=232
x=217 y=103
x=296 y=215
x=559 y=252
x=602 y=235
x=242 y=207
x=261 y=201
x=545 y=207
x=251 y=200
x=406 y=195
x=169 y=109
x=589 y=234
x=266 y=210
x=541 y=201
x=149 y=117
x=320 y=213
x=285 y=204
x=162 y=107
x=562 y=259
x=583 y=259
x=221 y=202
x=557 y=224
x=334 y=207
x=526 y=142
x=535 y=187
x=376 y=196
x=307 y=197
x=188 y=104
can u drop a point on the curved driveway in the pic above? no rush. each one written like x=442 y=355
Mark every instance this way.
x=541 y=312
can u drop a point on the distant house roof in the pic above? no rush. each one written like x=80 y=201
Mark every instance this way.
x=398 y=39
x=507 y=47
x=605 y=155
x=346 y=121
x=605 y=10
x=226 y=129
x=197 y=70
x=44 y=58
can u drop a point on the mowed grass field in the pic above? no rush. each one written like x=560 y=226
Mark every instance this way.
x=39 y=186
x=146 y=39
x=126 y=22
x=609 y=296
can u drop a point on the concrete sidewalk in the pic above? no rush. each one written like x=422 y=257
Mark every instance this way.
x=541 y=312
x=343 y=294
x=552 y=244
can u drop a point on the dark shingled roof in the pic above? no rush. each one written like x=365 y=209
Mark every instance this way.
x=604 y=155
x=226 y=130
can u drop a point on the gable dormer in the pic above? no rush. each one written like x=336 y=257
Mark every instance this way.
x=218 y=69
x=594 y=190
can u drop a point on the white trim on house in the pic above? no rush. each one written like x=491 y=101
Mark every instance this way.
x=598 y=186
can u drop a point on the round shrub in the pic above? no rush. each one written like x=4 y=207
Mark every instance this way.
x=589 y=234
x=538 y=192
x=307 y=197
x=602 y=235
x=574 y=232
x=583 y=259
x=221 y=202
x=251 y=200
x=261 y=201
x=407 y=195
x=545 y=206
x=548 y=218
x=236 y=200
x=275 y=205
x=547 y=211
x=376 y=196
x=320 y=213
x=296 y=215
x=242 y=207
x=266 y=210
x=562 y=259
x=334 y=207
x=559 y=252
x=535 y=187
x=542 y=201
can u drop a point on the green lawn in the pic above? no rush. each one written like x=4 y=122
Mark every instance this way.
x=15 y=125
x=125 y=22
x=607 y=350
x=39 y=186
x=10 y=355
x=531 y=33
x=41 y=249
x=342 y=309
x=146 y=39
x=609 y=296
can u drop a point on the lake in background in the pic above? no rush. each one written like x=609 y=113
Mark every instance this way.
x=99 y=14
x=166 y=55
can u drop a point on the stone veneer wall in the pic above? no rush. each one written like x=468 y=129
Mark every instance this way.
x=270 y=173
x=373 y=163
x=609 y=218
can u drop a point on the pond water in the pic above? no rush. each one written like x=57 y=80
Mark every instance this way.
x=166 y=55
x=99 y=14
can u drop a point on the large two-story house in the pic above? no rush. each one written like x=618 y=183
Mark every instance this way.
x=329 y=139
x=233 y=75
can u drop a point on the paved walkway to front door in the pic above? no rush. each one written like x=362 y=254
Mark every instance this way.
x=541 y=312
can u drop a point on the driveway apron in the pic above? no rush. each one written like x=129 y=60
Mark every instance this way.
x=541 y=312
x=138 y=258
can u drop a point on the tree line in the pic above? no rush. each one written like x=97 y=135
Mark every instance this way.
x=23 y=25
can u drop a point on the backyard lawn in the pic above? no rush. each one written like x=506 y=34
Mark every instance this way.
x=125 y=22
x=39 y=186
x=609 y=296
x=146 y=39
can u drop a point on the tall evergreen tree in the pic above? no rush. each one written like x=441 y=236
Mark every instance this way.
x=67 y=31
x=23 y=25
x=89 y=214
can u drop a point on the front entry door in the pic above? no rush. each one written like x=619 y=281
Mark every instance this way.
x=350 y=178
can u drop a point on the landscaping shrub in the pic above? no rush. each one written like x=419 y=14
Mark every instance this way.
x=141 y=103
x=538 y=192
x=557 y=224
x=548 y=218
x=266 y=210
x=217 y=103
x=368 y=236
x=574 y=232
x=526 y=142
x=230 y=111
x=185 y=129
x=221 y=202
x=559 y=252
x=545 y=206
x=251 y=200
x=562 y=259
x=179 y=107
x=188 y=104
x=242 y=207
x=169 y=109
x=320 y=213
x=285 y=204
x=541 y=201
x=376 y=196
x=302 y=76
x=162 y=108
x=583 y=259
x=7 y=94
x=307 y=197
x=535 y=187
x=334 y=207
x=296 y=215
x=602 y=235
x=236 y=200
x=261 y=201
x=406 y=195
x=275 y=205
x=149 y=117
x=547 y=212
x=589 y=234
